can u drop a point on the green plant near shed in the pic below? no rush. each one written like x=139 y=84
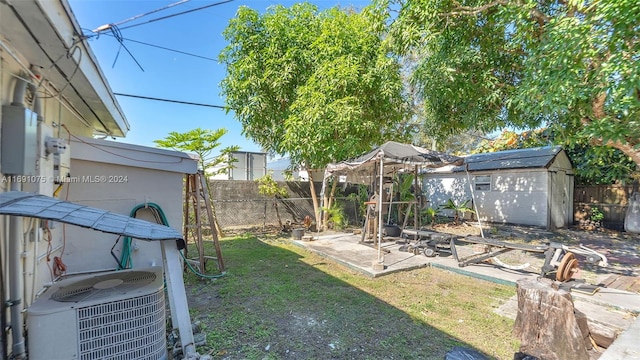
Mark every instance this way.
x=431 y=215
x=596 y=215
x=336 y=219
x=403 y=191
x=457 y=209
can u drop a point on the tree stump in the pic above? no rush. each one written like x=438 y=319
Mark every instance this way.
x=546 y=322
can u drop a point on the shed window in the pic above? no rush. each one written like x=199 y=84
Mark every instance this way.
x=483 y=182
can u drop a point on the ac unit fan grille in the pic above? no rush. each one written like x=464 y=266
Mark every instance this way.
x=117 y=283
x=125 y=329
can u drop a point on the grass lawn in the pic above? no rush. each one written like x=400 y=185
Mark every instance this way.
x=279 y=301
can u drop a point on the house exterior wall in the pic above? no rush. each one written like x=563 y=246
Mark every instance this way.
x=132 y=186
x=117 y=177
x=248 y=165
x=39 y=47
x=36 y=268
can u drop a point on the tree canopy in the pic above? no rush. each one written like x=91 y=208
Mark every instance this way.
x=568 y=64
x=202 y=142
x=318 y=86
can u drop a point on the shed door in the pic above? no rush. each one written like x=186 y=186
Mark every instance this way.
x=560 y=200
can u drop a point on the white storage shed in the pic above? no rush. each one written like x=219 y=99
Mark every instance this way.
x=525 y=186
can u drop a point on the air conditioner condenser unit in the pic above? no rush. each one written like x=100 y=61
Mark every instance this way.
x=116 y=315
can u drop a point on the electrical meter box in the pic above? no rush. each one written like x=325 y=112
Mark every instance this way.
x=19 y=141
x=62 y=164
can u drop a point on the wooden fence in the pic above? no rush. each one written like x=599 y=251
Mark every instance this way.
x=611 y=200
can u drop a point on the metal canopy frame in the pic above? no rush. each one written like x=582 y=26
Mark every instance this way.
x=388 y=158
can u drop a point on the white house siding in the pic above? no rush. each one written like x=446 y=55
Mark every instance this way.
x=439 y=188
x=36 y=269
x=39 y=47
x=117 y=177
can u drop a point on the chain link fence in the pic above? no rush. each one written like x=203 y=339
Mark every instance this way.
x=261 y=213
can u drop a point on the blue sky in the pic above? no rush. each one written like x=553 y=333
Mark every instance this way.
x=167 y=74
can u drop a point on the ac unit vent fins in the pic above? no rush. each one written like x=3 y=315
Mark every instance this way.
x=125 y=329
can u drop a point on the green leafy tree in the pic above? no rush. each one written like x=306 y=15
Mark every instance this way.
x=269 y=187
x=203 y=142
x=511 y=140
x=318 y=86
x=601 y=165
x=571 y=65
x=424 y=128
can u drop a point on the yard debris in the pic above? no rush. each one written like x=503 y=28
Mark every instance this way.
x=462 y=353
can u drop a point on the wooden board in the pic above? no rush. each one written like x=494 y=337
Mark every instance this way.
x=504 y=244
x=622 y=282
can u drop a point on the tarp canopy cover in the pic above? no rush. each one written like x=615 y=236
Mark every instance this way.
x=395 y=156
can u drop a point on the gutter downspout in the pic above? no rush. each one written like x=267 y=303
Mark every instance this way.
x=15 y=281
x=14 y=249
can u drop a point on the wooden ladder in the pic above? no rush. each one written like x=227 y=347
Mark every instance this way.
x=196 y=199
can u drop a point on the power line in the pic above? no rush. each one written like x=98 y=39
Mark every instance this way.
x=176 y=14
x=172 y=101
x=106 y=26
x=164 y=48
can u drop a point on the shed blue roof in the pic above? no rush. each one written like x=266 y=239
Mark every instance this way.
x=540 y=157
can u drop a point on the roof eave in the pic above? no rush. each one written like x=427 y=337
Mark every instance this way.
x=47 y=35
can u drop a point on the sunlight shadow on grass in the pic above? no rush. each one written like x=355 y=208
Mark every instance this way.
x=279 y=301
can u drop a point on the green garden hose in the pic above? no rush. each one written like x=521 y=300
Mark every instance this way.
x=125 y=259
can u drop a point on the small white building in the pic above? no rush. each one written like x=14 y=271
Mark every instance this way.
x=246 y=165
x=525 y=187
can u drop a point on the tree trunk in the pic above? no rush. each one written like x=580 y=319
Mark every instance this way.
x=629 y=147
x=275 y=205
x=546 y=323
x=314 y=198
x=329 y=203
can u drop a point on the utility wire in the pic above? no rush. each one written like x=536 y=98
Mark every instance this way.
x=172 y=101
x=164 y=48
x=115 y=28
x=106 y=26
x=176 y=14
x=116 y=33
